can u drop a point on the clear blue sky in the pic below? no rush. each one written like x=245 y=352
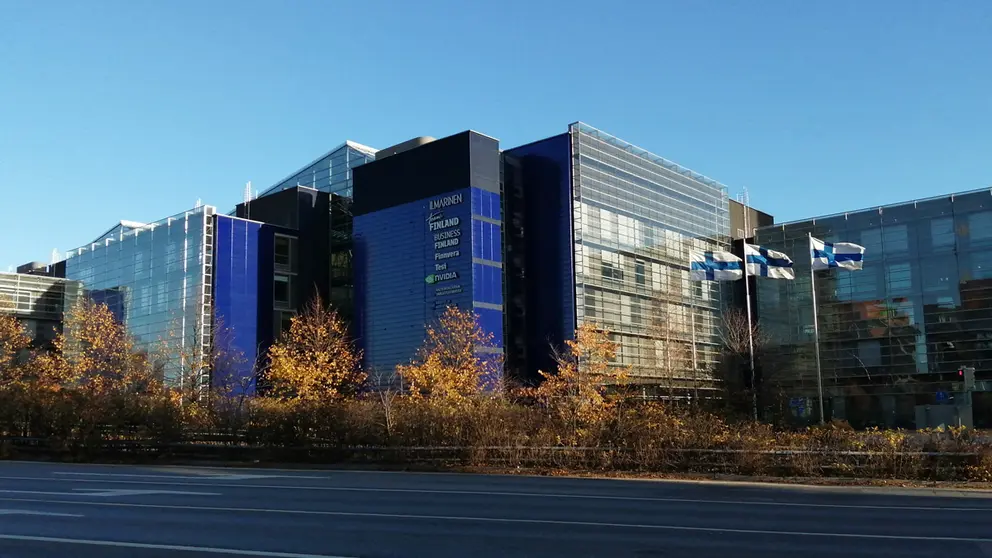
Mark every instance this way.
x=134 y=109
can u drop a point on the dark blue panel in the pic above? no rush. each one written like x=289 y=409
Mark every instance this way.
x=476 y=239
x=549 y=251
x=477 y=201
x=494 y=206
x=236 y=291
x=491 y=321
x=401 y=282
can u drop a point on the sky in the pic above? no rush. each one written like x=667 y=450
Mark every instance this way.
x=136 y=109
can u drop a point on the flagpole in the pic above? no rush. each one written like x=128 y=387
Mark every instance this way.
x=750 y=326
x=816 y=330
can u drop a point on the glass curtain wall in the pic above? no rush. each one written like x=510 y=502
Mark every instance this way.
x=893 y=335
x=636 y=218
x=331 y=172
x=157 y=280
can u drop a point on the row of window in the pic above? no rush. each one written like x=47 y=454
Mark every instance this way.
x=638 y=167
x=936 y=234
x=607 y=191
x=611 y=229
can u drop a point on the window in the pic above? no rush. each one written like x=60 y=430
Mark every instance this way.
x=864 y=284
x=161 y=297
x=981 y=265
x=938 y=275
x=639 y=276
x=870 y=353
x=285 y=248
x=611 y=269
x=980 y=225
x=659 y=281
x=139 y=265
x=172 y=258
x=282 y=321
x=942 y=232
x=636 y=311
x=899 y=277
x=871 y=239
x=283 y=291
x=895 y=238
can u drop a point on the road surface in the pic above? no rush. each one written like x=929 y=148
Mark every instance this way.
x=90 y=511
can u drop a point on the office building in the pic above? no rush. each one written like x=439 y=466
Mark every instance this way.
x=600 y=232
x=38 y=301
x=577 y=228
x=427 y=235
x=894 y=335
x=176 y=283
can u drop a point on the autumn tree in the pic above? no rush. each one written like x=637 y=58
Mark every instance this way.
x=315 y=360
x=739 y=336
x=454 y=362
x=14 y=341
x=577 y=391
x=95 y=354
x=669 y=328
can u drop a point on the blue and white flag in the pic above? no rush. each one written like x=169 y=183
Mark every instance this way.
x=761 y=262
x=714 y=266
x=844 y=255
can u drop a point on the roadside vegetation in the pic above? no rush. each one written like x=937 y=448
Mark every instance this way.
x=93 y=396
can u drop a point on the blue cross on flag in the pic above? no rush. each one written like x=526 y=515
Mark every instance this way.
x=845 y=255
x=714 y=266
x=762 y=262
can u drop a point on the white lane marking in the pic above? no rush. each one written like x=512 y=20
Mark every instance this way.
x=101 y=493
x=529 y=495
x=181 y=548
x=564 y=522
x=109 y=493
x=209 y=476
x=31 y=512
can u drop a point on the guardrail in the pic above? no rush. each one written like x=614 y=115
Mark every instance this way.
x=771 y=461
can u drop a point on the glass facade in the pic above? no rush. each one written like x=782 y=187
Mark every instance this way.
x=157 y=280
x=893 y=335
x=636 y=216
x=331 y=172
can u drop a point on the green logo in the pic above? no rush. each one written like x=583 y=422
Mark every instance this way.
x=430 y=279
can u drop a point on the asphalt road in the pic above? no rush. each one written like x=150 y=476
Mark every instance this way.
x=89 y=511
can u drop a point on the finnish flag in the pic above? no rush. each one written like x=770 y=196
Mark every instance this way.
x=714 y=266
x=844 y=255
x=761 y=262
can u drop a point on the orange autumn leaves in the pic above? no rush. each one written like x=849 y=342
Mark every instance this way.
x=93 y=354
x=315 y=360
x=577 y=392
x=456 y=361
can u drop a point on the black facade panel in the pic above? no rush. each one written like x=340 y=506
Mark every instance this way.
x=278 y=208
x=306 y=214
x=539 y=252
x=438 y=167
